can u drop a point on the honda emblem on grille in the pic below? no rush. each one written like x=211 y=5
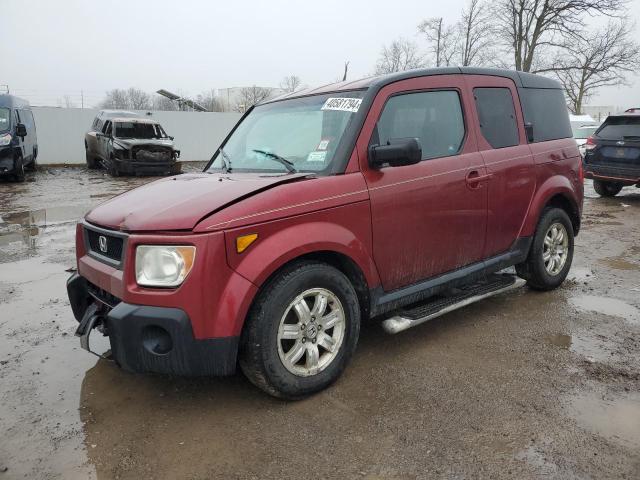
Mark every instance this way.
x=620 y=142
x=102 y=243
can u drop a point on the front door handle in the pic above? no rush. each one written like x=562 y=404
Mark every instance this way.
x=474 y=178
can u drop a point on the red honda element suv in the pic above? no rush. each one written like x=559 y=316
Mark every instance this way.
x=395 y=198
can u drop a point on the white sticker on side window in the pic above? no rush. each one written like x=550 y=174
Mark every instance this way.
x=342 y=104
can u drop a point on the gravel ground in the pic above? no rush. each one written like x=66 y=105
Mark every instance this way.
x=522 y=385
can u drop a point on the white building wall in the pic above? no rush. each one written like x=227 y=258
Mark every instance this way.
x=61 y=132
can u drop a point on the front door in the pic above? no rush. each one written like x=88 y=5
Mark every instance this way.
x=428 y=218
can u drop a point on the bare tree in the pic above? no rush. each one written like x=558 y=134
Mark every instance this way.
x=291 y=83
x=138 y=99
x=132 y=98
x=250 y=96
x=441 y=39
x=475 y=35
x=529 y=27
x=346 y=70
x=115 y=99
x=210 y=101
x=159 y=102
x=400 y=55
x=66 y=101
x=599 y=59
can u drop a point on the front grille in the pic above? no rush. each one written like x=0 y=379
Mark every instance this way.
x=148 y=153
x=105 y=245
x=102 y=296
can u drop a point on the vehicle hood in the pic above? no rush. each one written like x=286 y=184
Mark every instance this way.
x=134 y=142
x=180 y=202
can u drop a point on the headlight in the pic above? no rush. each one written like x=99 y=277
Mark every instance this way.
x=5 y=139
x=163 y=265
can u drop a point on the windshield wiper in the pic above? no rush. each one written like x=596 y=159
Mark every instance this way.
x=287 y=164
x=226 y=161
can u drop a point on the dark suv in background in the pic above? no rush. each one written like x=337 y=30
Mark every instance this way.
x=18 y=141
x=612 y=154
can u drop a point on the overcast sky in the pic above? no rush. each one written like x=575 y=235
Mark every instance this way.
x=50 y=48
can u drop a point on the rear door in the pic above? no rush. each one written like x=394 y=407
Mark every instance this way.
x=507 y=157
x=427 y=218
x=92 y=137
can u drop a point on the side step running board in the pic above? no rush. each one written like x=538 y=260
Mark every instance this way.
x=458 y=298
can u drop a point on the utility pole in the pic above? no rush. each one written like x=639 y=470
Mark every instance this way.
x=81 y=99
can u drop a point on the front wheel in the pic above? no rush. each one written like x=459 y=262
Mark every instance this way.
x=607 y=189
x=551 y=253
x=301 y=331
x=19 y=170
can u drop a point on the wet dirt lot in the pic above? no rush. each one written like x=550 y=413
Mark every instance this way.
x=523 y=385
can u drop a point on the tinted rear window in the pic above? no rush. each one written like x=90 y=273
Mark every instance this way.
x=617 y=128
x=546 y=110
x=497 y=116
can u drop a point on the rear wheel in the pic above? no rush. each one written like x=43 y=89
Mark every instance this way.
x=92 y=162
x=301 y=331
x=607 y=189
x=551 y=253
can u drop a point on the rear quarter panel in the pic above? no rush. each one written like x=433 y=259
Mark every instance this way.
x=557 y=164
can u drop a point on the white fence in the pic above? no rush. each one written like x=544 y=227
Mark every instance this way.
x=61 y=132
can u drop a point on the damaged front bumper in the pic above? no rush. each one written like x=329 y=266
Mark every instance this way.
x=148 y=338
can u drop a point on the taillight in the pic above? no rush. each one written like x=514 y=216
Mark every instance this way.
x=590 y=144
x=581 y=172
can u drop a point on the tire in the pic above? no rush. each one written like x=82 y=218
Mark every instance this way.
x=607 y=189
x=19 y=170
x=263 y=350
x=113 y=169
x=92 y=164
x=535 y=269
x=34 y=163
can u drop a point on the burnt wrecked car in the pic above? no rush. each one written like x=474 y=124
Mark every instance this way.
x=132 y=146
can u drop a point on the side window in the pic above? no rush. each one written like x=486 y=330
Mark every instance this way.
x=546 y=110
x=17 y=117
x=94 y=125
x=497 y=116
x=107 y=128
x=27 y=119
x=435 y=118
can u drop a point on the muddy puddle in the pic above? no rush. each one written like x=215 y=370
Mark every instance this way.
x=615 y=417
x=619 y=263
x=606 y=306
x=592 y=347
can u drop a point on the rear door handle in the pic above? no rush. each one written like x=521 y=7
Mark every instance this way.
x=474 y=178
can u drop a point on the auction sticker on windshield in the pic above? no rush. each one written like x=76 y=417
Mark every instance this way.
x=342 y=104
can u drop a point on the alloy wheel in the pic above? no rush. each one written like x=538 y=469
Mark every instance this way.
x=311 y=332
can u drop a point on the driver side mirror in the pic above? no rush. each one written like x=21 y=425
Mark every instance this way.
x=399 y=152
x=21 y=130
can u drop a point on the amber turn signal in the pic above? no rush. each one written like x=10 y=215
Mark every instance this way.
x=243 y=242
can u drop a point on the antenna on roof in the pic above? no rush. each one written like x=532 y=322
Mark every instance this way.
x=182 y=102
